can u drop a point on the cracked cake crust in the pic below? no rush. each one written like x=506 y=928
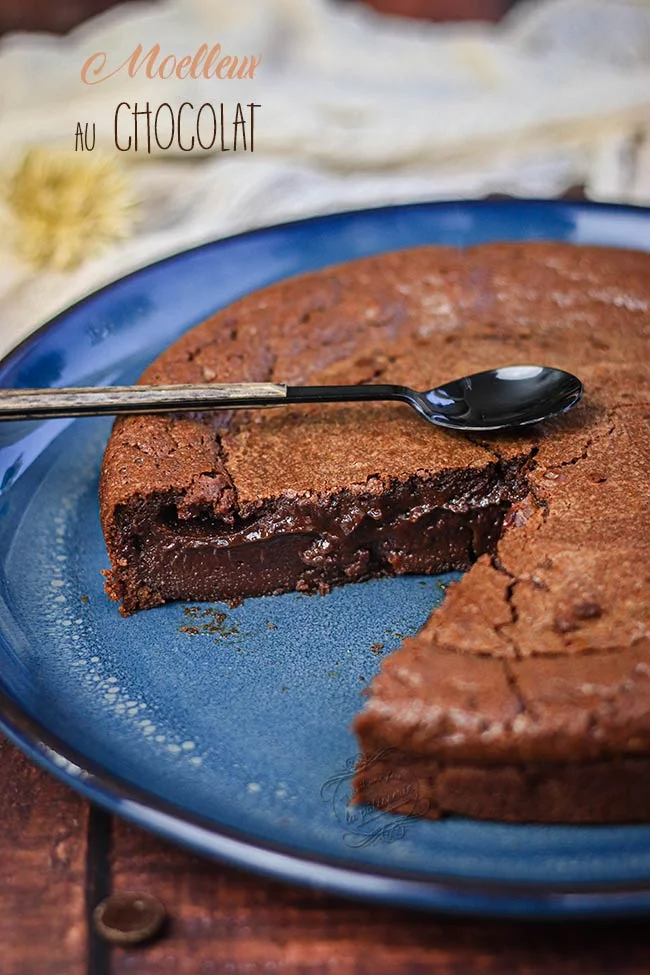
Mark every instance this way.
x=526 y=696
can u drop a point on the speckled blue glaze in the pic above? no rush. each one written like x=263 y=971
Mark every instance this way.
x=228 y=730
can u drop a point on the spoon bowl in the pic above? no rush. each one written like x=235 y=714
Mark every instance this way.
x=499 y=399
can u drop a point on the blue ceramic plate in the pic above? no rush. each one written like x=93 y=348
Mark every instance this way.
x=228 y=730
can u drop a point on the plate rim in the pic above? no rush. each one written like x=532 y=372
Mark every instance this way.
x=157 y=815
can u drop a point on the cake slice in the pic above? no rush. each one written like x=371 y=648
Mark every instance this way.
x=229 y=505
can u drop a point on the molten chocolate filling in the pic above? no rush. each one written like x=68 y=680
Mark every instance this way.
x=422 y=525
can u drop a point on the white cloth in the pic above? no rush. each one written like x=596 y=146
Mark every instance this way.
x=356 y=110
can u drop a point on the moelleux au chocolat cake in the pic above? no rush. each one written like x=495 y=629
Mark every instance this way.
x=526 y=696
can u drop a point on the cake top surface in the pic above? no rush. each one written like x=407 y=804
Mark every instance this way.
x=419 y=318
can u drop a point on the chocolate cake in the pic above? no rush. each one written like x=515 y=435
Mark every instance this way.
x=527 y=694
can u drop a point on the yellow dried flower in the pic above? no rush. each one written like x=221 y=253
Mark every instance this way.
x=68 y=206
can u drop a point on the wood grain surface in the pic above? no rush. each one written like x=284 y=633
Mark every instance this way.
x=43 y=846
x=59 y=857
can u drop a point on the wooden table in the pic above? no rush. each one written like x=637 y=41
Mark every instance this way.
x=60 y=856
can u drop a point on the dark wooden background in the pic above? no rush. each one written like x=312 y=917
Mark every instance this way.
x=59 y=856
x=61 y=15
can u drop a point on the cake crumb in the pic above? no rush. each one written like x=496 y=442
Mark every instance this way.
x=213 y=624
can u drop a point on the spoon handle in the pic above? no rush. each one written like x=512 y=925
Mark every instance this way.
x=347 y=394
x=41 y=404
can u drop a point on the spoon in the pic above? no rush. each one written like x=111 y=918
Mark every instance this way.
x=497 y=399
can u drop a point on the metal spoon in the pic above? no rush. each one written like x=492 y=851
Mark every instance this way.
x=498 y=399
